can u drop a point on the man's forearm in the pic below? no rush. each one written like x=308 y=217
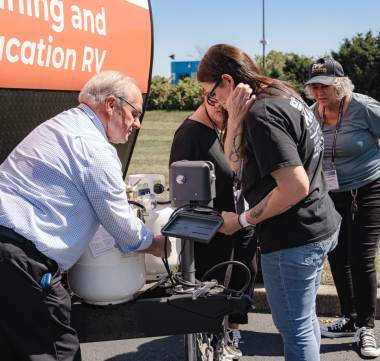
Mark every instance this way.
x=150 y=249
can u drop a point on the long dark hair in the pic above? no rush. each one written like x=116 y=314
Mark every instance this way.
x=226 y=59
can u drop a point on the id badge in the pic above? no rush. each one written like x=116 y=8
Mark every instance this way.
x=332 y=179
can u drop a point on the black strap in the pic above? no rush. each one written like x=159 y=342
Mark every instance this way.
x=336 y=128
x=10 y=233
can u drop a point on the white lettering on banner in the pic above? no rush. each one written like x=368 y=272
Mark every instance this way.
x=37 y=10
x=57 y=18
x=57 y=64
x=49 y=52
x=312 y=125
x=102 y=18
x=99 y=65
x=88 y=14
x=32 y=47
x=76 y=20
x=43 y=53
x=2 y=38
x=74 y=55
x=41 y=47
x=28 y=6
x=11 y=42
x=87 y=62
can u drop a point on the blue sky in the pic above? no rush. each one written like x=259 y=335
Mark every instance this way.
x=311 y=28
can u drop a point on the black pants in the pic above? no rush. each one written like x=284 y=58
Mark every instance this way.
x=242 y=247
x=34 y=322
x=353 y=260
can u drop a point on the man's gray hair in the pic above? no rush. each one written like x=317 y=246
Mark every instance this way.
x=343 y=87
x=109 y=82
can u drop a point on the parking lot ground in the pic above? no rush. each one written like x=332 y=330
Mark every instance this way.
x=260 y=341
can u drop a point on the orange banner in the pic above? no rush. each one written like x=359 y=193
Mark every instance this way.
x=60 y=45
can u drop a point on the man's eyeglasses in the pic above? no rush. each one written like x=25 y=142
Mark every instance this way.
x=138 y=111
x=210 y=97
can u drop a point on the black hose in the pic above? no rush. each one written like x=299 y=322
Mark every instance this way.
x=164 y=202
x=227 y=263
x=192 y=205
x=137 y=204
x=182 y=282
x=166 y=263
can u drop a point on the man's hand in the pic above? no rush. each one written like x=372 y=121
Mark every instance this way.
x=157 y=248
x=230 y=224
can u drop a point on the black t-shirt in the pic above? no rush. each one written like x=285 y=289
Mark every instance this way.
x=196 y=141
x=281 y=132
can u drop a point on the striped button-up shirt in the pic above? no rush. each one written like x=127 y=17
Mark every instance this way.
x=64 y=180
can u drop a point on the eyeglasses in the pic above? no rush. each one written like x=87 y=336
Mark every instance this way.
x=210 y=97
x=138 y=111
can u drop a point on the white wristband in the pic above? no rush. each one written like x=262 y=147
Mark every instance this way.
x=244 y=221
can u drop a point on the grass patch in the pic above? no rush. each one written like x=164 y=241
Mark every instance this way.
x=152 y=151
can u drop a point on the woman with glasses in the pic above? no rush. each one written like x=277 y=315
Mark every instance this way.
x=277 y=138
x=198 y=138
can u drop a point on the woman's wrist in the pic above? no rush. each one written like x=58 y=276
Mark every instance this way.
x=240 y=224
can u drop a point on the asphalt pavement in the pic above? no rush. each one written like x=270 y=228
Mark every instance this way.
x=260 y=341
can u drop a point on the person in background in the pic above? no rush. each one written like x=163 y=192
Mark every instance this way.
x=295 y=220
x=57 y=187
x=350 y=124
x=199 y=138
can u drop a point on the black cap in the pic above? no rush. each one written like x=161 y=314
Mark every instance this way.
x=324 y=71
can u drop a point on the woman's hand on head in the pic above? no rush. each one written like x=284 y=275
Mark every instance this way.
x=238 y=103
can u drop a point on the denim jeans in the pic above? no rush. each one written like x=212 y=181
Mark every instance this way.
x=292 y=278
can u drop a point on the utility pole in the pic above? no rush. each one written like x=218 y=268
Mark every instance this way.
x=264 y=41
x=263 y=35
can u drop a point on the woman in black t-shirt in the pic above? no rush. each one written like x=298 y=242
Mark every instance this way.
x=198 y=139
x=271 y=127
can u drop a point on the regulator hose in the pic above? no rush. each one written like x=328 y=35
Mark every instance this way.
x=237 y=263
x=192 y=205
x=164 y=202
x=198 y=284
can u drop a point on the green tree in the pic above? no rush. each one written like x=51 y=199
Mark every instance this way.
x=186 y=95
x=288 y=67
x=360 y=58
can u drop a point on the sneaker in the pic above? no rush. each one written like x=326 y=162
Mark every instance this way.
x=367 y=342
x=343 y=328
x=232 y=346
x=225 y=358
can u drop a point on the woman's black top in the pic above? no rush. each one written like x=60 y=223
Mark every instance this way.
x=196 y=141
x=282 y=132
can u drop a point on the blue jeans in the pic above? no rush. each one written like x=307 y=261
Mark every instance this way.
x=292 y=278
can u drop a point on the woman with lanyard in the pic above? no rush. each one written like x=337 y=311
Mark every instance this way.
x=350 y=124
x=295 y=219
x=198 y=138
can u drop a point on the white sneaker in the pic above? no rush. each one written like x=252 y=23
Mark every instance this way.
x=367 y=342
x=232 y=346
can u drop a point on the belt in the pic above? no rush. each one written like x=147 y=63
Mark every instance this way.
x=11 y=234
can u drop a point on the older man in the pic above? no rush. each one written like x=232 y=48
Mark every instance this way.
x=56 y=187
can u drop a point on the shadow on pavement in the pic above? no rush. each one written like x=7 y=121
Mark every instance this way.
x=168 y=349
x=261 y=344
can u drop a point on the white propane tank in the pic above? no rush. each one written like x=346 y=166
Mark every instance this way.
x=109 y=278
x=155 y=269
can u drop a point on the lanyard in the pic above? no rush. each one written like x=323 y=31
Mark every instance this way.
x=239 y=174
x=336 y=128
